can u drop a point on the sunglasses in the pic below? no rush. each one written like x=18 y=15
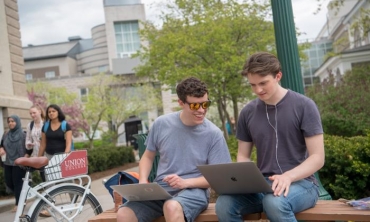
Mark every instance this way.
x=196 y=106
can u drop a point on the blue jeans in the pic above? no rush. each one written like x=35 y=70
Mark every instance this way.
x=302 y=195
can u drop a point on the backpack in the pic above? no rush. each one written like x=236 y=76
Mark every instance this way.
x=120 y=178
x=64 y=129
x=31 y=125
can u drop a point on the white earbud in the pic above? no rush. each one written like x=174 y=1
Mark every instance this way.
x=276 y=134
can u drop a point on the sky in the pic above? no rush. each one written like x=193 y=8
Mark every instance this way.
x=51 y=21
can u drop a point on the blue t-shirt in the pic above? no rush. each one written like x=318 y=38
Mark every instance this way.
x=182 y=148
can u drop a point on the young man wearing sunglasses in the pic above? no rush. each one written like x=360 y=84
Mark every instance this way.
x=184 y=140
x=285 y=127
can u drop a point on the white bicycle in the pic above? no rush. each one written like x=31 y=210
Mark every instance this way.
x=65 y=196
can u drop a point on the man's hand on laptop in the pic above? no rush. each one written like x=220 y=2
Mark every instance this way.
x=280 y=184
x=175 y=181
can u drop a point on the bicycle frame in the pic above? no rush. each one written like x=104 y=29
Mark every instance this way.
x=29 y=192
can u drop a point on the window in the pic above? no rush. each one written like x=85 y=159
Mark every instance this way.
x=307 y=81
x=97 y=135
x=103 y=68
x=28 y=77
x=127 y=38
x=83 y=94
x=50 y=74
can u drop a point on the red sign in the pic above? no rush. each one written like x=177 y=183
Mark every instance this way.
x=74 y=164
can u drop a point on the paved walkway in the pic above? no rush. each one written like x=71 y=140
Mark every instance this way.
x=97 y=188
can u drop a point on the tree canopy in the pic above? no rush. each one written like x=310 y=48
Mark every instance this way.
x=208 y=39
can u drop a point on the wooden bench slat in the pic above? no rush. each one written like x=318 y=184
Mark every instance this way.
x=325 y=210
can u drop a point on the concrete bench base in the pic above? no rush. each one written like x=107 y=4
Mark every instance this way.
x=325 y=210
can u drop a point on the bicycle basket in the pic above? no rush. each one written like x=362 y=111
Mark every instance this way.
x=66 y=165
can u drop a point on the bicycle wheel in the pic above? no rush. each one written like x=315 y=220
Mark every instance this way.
x=65 y=197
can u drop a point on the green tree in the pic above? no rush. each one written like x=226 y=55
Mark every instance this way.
x=97 y=106
x=137 y=98
x=344 y=103
x=208 y=39
x=54 y=95
x=113 y=99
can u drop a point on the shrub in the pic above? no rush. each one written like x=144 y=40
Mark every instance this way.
x=232 y=143
x=344 y=104
x=107 y=157
x=346 y=173
x=85 y=145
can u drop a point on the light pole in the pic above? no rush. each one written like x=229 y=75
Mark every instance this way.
x=287 y=52
x=286 y=45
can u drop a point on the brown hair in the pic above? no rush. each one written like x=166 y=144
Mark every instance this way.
x=263 y=64
x=38 y=107
x=191 y=87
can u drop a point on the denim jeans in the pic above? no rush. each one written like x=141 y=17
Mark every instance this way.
x=302 y=195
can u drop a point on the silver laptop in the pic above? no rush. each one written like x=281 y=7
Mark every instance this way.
x=142 y=191
x=235 y=178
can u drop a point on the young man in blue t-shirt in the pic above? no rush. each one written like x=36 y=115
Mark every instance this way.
x=184 y=140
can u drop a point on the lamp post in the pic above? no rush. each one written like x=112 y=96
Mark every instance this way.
x=287 y=51
x=286 y=45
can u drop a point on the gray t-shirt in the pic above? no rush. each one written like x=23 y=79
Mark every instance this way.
x=182 y=148
x=297 y=117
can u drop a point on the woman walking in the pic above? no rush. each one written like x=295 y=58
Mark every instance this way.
x=33 y=135
x=12 y=147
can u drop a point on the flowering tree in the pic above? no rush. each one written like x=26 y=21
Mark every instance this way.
x=44 y=94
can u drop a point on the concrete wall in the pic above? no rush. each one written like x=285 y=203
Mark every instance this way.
x=67 y=66
x=122 y=66
x=99 y=36
x=117 y=14
x=90 y=60
x=13 y=95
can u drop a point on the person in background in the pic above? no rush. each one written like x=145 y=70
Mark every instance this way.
x=285 y=127
x=53 y=139
x=230 y=127
x=184 y=140
x=33 y=136
x=12 y=147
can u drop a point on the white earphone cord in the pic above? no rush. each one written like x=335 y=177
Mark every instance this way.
x=276 y=135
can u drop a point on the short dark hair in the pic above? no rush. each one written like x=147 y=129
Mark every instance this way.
x=191 y=87
x=61 y=115
x=263 y=64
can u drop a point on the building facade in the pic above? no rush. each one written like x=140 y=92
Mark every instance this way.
x=72 y=63
x=316 y=55
x=351 y=46
x=13 y=96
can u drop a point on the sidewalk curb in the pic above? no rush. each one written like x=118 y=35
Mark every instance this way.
x=6 y=205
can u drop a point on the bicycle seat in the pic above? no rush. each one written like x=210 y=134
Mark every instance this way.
x=34 y=162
